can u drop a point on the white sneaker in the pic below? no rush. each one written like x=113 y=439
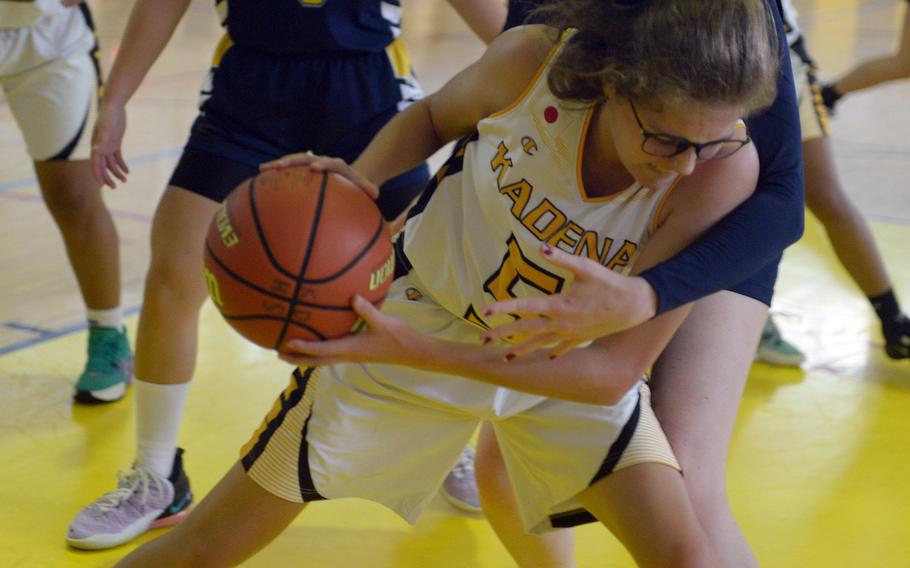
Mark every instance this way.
x=143 y=500
x=460 y=486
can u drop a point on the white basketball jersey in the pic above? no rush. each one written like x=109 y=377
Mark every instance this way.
x=24 y=13
x=475 y=237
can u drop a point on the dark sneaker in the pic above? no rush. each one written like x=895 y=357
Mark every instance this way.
x=142 y=501
x=460 y=487
x=830 y=96
x=109 y=368
x=897 y=337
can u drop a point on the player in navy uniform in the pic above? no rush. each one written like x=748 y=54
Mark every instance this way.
x=50 y=77
x=625 y=178
x=288 y=75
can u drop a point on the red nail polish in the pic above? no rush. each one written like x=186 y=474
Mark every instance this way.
x=488 y=312
x=547 y=250
x=509 y=357
x=485 y=340
x=553 y=357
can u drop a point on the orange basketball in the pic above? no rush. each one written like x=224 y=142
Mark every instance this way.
x=287 y=251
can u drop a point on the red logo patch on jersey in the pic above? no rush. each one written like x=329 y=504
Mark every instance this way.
x=550 y=114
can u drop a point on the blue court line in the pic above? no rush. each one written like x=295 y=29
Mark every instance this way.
x=25 y=327
x=889 y=220
x=136 y=161
x=47 y=334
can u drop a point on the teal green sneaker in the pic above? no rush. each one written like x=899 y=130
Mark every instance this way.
x=774 y=349
x=109 y=369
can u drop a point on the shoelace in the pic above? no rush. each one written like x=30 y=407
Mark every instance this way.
x=464 y=465
x=127 y=483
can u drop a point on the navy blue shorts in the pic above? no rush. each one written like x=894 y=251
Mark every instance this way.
x=260 y=106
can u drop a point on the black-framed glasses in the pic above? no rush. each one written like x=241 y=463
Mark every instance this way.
x=667 y=145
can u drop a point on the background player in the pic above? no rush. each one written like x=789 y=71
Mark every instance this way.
x=479 y=206
x=848 y=232
x=873 y=71
x=286 y=77
x=50 y=77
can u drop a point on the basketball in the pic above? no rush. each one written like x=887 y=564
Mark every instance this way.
x=288 y=250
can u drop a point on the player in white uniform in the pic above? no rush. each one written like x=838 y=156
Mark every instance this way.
x=606 y=166
x=50 y=78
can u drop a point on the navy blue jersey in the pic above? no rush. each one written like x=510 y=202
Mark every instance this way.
x=311 y=26
x=742 y=250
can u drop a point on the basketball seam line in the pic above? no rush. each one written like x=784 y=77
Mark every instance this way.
x=259 y=289
x=363 y=252
x=261 y=232
x=279 y=318
x=314 y=227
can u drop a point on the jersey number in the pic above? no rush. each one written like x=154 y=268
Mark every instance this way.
x=516 y=266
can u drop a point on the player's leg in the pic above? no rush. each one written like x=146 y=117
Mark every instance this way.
x=165 y=360
x=847 y=230
x=497 y=498
x=646 y=506
x=155 y=490
x=166 y=355
x=697 y=384
x=73 y=198
x=174 y=288
x=844 y=224
x=853 y=243
x=873 y=71
x=258 y=497
x=234 y=521
x=51 y=88
x=556 y=450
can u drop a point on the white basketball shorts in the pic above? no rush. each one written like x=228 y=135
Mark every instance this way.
x=390 y=433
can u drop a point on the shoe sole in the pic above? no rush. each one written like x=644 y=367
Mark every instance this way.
x=103 y=542
x=103 y=396
x=170 y=520
x=459 y=504
x=110 y=540
x=774 y=358
x=897 y=353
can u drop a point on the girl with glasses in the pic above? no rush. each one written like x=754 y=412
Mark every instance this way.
x=549 y=157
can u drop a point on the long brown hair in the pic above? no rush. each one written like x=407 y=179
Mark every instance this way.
x=666 y=51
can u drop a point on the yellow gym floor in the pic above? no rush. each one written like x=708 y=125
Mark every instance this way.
x=820 y=465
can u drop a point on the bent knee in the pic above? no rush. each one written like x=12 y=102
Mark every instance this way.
x=175 y=283
x=72 y=203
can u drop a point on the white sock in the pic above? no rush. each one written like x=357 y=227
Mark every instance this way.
x=112 y=318
x=159 y=410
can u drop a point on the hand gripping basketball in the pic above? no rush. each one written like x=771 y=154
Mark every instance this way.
x=288 y=250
